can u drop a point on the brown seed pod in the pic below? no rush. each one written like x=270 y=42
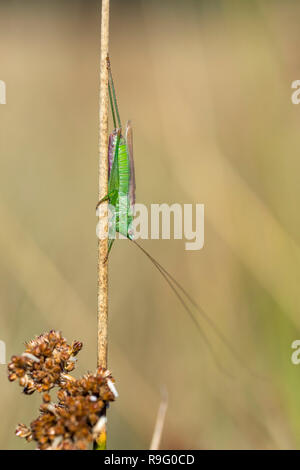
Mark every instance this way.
x=78 y=416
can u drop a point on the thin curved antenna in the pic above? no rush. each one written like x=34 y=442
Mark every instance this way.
x=187 y=309
x=170 y=279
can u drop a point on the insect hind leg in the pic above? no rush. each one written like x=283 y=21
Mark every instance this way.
x=110 y=244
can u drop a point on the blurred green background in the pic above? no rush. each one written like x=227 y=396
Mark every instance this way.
x=207 y=86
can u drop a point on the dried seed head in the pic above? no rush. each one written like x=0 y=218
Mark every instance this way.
x=79 y=414
x=44 y=361
x=24 y=431
x=46 y=398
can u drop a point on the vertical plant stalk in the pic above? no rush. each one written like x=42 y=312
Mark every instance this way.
x=103 y=217
x=160 y=421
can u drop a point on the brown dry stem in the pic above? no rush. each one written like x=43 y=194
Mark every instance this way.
x=103 y=188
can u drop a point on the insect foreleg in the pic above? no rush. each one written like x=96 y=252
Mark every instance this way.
x=105 y=198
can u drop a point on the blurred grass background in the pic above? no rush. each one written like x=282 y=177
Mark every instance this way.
x=207 y=87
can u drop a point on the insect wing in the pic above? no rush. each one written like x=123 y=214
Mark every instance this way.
x=113 y=182
x=129 y=142
x=111 y=149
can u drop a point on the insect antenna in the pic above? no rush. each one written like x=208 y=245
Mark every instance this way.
x=164 y=274
x=112 y=94
x=175 y=286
